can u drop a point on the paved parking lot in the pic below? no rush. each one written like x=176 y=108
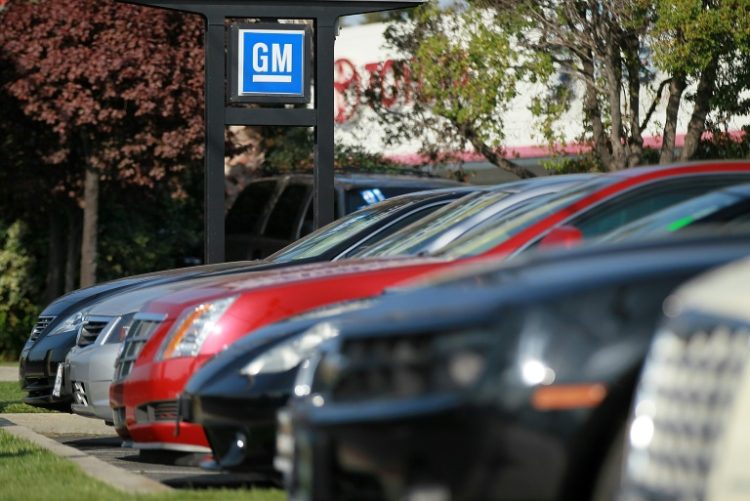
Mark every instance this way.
x=161 y=467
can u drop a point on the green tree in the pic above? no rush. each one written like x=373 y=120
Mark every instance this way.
x=464 y=73
x=625 y=58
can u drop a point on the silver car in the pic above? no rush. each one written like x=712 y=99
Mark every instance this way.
x=90 y=366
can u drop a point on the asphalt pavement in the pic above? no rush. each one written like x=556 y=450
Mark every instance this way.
x=95 y=439
x=173 y=470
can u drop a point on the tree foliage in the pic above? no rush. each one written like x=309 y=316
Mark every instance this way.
x=119 y=87
x=636 y=64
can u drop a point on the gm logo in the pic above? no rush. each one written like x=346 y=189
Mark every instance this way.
x=272 y=63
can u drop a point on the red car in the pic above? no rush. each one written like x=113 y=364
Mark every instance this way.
x=174 y=336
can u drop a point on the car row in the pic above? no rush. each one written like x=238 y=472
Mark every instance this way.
x=400 y=353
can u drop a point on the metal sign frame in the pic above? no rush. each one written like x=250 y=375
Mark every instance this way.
x=220 y=112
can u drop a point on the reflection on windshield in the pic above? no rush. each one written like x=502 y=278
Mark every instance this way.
x=336 y=232
x=502 y=226
x=411 y=239
x=676 y=217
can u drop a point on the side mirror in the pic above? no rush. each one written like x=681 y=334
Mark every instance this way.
x=565 y=236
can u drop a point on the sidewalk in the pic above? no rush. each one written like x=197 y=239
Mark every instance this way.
x=9 y=373
x=58 y=424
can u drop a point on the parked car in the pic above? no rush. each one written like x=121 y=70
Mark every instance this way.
x=88 y=372
x=688 y=432
x=178 y=333
x=89 y=367
x=726 y=207
x=57 y=327
x=498 y=382
x=272 y=212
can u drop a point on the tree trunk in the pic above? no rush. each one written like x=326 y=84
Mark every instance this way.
x=53 y=282
x=613 y=75
x=703 y=96
x=72 y=257
x=593 y=113
x=676 y=88
x=492 y=155
x=633 y=64
x=90 y=226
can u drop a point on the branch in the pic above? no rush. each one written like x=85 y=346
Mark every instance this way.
x=654 y=103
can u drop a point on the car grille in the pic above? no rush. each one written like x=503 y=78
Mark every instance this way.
x=686 y=394
x=90 y=330
x=41 y=324
x=157 y=411
x=404 y=366
x=138 y=335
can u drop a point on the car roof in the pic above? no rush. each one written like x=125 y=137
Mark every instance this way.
x=356 y=179
x=686 y=167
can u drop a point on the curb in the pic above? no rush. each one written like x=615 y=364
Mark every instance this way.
x=118 y=478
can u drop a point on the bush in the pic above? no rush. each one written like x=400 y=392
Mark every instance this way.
x=17 y=310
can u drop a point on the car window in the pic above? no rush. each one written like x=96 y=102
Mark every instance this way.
x=677 y=216
x=642 y=202
x=246 y=211
x=403 y=222
x=359 y=197
x=336 y=232
x=502 y=226
x=285 y=216
x=404 y=241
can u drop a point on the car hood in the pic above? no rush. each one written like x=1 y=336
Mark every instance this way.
x=76 y=297
x=304 y=273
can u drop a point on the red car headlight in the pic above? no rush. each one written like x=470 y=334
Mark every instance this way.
x=192 y=328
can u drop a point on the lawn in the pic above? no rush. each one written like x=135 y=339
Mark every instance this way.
x=30 y=472
x=11 y=399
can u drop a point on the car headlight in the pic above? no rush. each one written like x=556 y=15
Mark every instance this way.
x=72 y=323
x=290 y=353
x=192 y=328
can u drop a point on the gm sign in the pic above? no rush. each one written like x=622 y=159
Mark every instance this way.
x=270 y=63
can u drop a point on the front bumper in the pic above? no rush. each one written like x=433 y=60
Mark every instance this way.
x=38 y=369
x=458 y=452
x=239 y=418
x=149 y=398
x=90 y=374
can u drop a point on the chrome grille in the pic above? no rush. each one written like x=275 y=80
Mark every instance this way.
x=686 y=394
x=138 y=335
x=90 y=330
x=41 y=324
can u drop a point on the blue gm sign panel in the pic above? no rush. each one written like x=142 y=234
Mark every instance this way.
x=271 y=63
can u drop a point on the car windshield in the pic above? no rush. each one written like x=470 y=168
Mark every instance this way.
x=676 y=217
x=338 y=231
x=503 y=225
x=410 y=239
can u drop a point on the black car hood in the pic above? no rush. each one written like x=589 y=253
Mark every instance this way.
x=76 y=297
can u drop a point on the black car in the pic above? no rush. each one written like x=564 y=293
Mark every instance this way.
x=688 y=433
x=213 y=397
x=272 y=212
x=728 y=206
x=499 y=382
x=57 y=326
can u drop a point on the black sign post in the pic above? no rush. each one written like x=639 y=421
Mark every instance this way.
x=220 y=112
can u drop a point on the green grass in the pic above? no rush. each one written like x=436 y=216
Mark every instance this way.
x=11 y=398
x=30 y=472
